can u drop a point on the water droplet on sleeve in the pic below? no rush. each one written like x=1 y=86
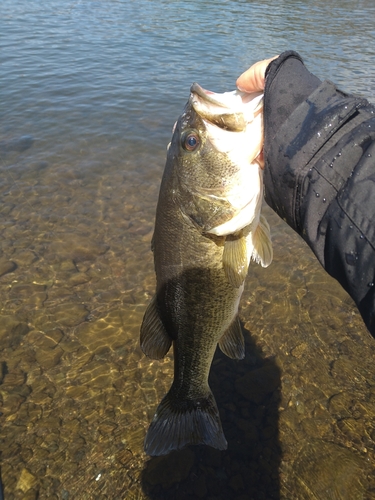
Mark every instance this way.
x=350 y=259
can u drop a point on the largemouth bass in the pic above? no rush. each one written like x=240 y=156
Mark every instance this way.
x=208 y=227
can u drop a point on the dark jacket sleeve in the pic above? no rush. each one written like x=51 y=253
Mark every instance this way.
x=319 y=176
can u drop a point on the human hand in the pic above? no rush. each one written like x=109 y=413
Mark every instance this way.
x=252 y=80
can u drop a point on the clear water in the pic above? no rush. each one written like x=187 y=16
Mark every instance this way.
x=89 y=92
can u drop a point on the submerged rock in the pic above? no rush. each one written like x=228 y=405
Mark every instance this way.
x=18 y=144
x=12 y=331
x=7 y=266
x=76 y=248
x=326 y=471
x=26 y=481
x=69 y=314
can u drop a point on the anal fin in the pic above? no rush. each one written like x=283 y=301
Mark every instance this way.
x=232 y=342
x=155 y=341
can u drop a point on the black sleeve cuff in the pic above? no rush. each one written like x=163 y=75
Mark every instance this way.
x=288 y=83
x=319 y=151
x=301 y=115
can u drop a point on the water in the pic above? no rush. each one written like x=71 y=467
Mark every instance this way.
x=89 y=93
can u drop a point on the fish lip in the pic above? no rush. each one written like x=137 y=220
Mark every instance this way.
x=230 y=111
x=214 y=98
x=206 y=95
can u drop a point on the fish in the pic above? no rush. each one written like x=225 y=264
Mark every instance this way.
x=208 y=227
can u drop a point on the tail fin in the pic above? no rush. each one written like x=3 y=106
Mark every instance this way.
x=177 y=424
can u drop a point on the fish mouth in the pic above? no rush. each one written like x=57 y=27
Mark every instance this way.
x=209 y=106
x=206 y=95
x=230 y=111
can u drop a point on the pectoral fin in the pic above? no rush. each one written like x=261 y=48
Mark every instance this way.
x=232 y=342
x=261 y=242
x=155 y=341
x=235 y=260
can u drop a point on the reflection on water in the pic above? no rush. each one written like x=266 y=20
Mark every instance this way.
x=92 y=90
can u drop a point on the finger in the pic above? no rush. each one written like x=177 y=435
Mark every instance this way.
x=260 y=160
x=252 y=80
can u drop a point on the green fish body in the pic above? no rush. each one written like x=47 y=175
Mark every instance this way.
x=205 y=236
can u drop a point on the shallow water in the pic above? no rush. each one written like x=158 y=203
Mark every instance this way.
x=89 y=94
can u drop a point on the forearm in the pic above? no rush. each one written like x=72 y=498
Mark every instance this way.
x=319 y=176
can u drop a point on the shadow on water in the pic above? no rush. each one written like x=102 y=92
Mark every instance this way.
x=247 y=393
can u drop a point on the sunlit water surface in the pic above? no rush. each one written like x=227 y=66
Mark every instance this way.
x=89 y=93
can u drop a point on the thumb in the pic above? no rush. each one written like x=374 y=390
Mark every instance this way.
x=252 y=80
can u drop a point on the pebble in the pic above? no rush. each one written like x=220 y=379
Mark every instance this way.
x=75 y=248
x=45 y=340
x=14 y=378
x=7 y=266
x=69 y=314
x=313 y=468
x=78 y=279
x=12 y=331
x=48 y=358
x=299 y=350
x=104 y=333
x=107 y=427
x=76 y=391
x=25 y=258
x=26 y=481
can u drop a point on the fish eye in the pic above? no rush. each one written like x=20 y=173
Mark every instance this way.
x=190 y=141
